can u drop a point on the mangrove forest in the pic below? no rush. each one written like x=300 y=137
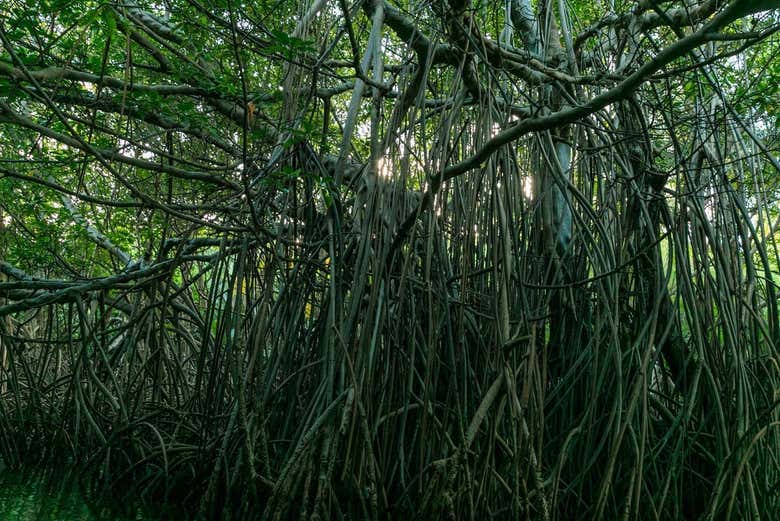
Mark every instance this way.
x=392 y=259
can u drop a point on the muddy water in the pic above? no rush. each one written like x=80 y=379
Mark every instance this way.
x=37 y=496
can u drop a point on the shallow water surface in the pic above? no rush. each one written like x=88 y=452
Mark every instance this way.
x=32 y=495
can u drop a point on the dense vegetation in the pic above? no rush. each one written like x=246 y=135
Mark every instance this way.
x=364 y=260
